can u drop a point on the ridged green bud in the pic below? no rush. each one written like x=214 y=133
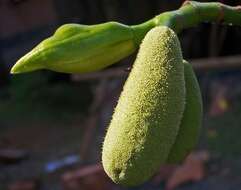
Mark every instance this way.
x=78 y=48
x=149 y=111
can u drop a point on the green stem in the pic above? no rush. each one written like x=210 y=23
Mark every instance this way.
x=190 y=14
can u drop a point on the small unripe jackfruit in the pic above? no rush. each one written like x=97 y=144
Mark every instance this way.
x=192 y=118
x=149 y=111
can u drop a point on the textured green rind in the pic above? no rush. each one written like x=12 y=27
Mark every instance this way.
x=139 y=138
x=192 y=118
x=76 y=48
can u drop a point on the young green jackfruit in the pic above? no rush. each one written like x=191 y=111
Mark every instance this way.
x=192 y=118
x=149 y=111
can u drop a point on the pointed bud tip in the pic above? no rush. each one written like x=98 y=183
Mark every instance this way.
x=25 y=65
x=15 y=70
x=19 y=67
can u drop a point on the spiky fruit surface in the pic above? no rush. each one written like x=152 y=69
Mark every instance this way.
x=192 y=118
x=149 y=111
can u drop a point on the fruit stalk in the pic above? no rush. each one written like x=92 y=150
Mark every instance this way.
x=190 y=14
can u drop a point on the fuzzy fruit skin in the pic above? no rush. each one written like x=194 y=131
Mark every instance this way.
x=139 y=138
x=192 y=118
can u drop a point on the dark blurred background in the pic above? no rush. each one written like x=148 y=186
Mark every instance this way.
x=52 y=125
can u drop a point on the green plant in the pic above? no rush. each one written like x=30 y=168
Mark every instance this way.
x=192 y=118
x=78 y=48
x=82 y=48
x=149 y=111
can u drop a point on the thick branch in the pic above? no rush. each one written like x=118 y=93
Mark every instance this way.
x=190 y=14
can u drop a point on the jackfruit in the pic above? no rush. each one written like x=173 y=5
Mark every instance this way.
x=147 y=117
x=192 y=118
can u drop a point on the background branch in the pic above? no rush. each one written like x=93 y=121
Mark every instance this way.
x=200 y=65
